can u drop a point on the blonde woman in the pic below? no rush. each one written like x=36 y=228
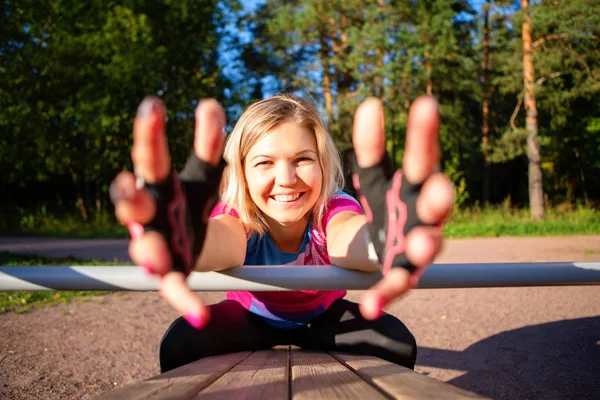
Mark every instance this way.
x=281 y=203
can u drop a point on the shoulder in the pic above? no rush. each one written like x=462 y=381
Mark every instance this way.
x=339 y=202
x=223 y=209
x=343 y=199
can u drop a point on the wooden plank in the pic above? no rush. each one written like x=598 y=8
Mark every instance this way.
x=181 y=383
x=318 y=376
x=400 y=382
x=263 y=375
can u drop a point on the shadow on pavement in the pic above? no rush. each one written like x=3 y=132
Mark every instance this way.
x=557 y=360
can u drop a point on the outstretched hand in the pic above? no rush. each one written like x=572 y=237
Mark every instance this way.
x=420 y=166
x=136 y=207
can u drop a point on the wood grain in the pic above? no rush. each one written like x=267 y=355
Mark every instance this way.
x=180 y=383
x=263 y=375
x=318 y=376
x=400 y=382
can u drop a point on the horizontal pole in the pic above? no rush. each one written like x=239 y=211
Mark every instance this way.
x=278 y=277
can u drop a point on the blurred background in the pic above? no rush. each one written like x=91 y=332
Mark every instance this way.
x=518 y=83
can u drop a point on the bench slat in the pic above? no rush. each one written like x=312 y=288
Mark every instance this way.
x=318 y=376
x=263 y=375
x=400 y=382
x=181 y=383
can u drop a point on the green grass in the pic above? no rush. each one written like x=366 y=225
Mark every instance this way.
x=20 y=302
x=508 y=221
x=46 y=224
x=502 y=220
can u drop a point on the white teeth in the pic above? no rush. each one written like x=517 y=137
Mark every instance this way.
x=286 y=197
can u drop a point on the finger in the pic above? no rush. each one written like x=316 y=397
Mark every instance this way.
x=422 y=153
x=436 y=199
x=150 y=153
x=210 y=131
x=393 y=284
x=175 y=290
x=422 y=245
x=368 y=133
x=152 y=253
x=131 y=204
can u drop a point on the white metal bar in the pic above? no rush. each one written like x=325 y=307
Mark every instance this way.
x=278 y=277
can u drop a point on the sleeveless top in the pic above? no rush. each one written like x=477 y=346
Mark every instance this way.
x=291 y=309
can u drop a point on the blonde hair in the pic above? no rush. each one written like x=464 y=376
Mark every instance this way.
x=255 y=123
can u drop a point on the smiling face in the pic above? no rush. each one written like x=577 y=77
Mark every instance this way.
x=284 y=176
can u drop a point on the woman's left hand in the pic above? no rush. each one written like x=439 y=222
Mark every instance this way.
x=418 y=244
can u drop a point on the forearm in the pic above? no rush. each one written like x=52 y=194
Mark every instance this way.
x=224 y=245
x=347 y=243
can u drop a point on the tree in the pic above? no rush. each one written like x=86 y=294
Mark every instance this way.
x=536 y=190
x=73 y=75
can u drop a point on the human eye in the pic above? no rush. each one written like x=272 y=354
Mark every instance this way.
x=304 y=160
x=263 y=163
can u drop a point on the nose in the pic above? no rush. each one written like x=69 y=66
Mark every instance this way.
x=286 y=175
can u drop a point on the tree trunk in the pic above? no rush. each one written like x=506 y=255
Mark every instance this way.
x=536 y=191
x=429 y=69
x=486 y=103
x=323 y=52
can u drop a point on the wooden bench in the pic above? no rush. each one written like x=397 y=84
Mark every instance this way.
x=290 y=373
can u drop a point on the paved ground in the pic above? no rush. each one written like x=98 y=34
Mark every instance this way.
x=506 y=343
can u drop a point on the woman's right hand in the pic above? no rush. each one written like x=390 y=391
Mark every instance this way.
x=137 y=208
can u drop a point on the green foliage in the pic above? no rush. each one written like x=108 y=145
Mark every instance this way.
x=72 y=74
x=45 y=223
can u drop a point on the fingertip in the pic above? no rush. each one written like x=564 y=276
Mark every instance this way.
x=368 y=132
x=371 y=306
x=150 y=152
x=174 y=288
x=429 y=102
x=436 y=200
x=422 y=245
x=149 y=105
x=141 y=208
x=197 y=319
x=151 y=251
x=122 y=187
x=210 y=108
x=372 y=106
x=210 y=131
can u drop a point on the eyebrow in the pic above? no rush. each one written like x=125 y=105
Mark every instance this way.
x=297 y=154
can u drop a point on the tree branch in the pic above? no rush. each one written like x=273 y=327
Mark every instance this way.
x=514 y=114
x=541 y=41
x=545 y=78
x=551 y=37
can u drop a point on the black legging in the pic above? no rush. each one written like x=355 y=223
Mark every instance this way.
x=341 y=328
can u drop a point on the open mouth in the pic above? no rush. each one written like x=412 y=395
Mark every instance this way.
x=287 y=198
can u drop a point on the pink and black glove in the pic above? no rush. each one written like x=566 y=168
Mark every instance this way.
x=389 y=201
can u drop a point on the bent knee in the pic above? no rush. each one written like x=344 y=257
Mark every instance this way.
x=173 y=349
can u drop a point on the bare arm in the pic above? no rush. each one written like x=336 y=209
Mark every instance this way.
x=347 y=242
x=224 y=245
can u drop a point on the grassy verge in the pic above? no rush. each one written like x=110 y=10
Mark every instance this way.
x=43 y=223
x=503 y=220
x=508 y=221
x=20 y=302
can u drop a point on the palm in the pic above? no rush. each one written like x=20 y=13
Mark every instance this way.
x=420 y=165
